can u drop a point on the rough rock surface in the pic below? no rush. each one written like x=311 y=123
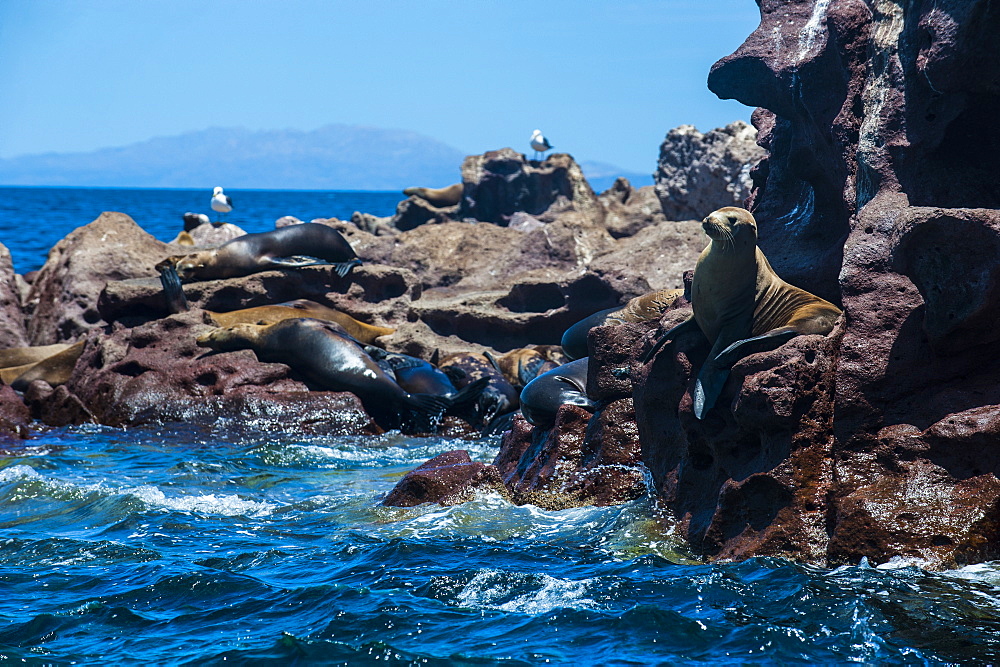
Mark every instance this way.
x=14 y=415
x=63 y=296
x=447 y=479
x=698 y=173
x=628 y=210
x=12 y=330
x=876 y=440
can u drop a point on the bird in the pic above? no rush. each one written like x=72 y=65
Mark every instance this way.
x=539 y=143
x=221 y=203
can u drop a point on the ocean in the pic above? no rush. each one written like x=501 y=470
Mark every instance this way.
x=244 y=542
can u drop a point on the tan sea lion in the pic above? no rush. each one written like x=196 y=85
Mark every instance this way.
x=439 y=197
x=329 y=360
x=521 y=366
x=55 y=369
x=366 y=333
x=740 y=303
x=19 y=356
x=296 y=246
x=645 y=308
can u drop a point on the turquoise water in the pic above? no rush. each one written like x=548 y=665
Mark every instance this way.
x=244 y=543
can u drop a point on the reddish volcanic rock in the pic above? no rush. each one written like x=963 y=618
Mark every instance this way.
x=14 y=414
x=447 y=479
x=579 y=461
x=63 y=296
x=874 y=441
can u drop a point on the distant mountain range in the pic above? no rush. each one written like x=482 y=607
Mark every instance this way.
x=334 y=157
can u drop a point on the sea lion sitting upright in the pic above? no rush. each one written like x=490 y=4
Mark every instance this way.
x=740 y=303
x=295 y=246
x=439 y=197
x=564 y=385
x=645 y=308
x=330 y=360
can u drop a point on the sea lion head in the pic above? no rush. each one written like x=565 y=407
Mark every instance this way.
x=227 y=339
x=190 y=266
x=731 y=226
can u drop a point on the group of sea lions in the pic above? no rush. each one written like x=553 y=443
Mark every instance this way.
x=739 y=304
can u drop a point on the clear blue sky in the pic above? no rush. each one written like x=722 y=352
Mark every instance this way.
x=604 y=80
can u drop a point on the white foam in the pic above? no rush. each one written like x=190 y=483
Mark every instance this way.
x=494 y=589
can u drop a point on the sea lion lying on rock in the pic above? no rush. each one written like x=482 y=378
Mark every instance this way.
x=521 y=366
x=565 y=385
x=740 y=303
x=329 y=360
x=499 y=397
x=439 y=197
x=56 y=369
x=645 y=308
x=365 y=333
x=296 y=246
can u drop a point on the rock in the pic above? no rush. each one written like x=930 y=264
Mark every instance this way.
x=215 y=234
x=373 y=224
x=581 y=460
x=156 y=372
x=699 y=173
x=877 y=192
x=415 y=211
x=499 y=183
x=64 y=294
x=14 y=415
x=12 y=331
x=56 y=406
x=286 y=221
x=628 y=210
x=447 y=479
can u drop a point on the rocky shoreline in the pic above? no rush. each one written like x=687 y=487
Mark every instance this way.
x=872 y=189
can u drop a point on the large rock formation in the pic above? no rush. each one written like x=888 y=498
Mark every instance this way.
x=879 y=193
x=698 y=173
x=12 y=331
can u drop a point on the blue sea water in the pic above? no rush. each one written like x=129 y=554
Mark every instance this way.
x=244 y=542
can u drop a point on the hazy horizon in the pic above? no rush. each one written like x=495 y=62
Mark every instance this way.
x=604 y=81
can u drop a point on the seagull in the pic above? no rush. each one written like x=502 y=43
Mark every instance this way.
x=221 y=203
x=539 y=143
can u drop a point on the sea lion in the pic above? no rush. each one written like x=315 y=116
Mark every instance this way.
x=521 y=366
x=55 y=369
x=738 y=315
x=329 y=360
x=565 y=385
x=439 y=197
x=19 y=356
x=643 y=308
x=498 y=398
x=418 y=376
x=296 y=246
x=365 y=333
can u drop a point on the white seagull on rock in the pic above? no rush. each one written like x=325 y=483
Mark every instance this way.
x=221 y=203
x=539 y=143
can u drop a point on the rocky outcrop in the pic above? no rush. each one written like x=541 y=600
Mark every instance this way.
x=628 y=210
x=63 y=296
x=699 y=173
x=447 y=479
x=12 y=331
x=871 y=441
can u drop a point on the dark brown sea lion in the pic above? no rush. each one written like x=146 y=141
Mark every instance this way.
x=55 y=369
x=439 y=197
x=329 y=360
x=365 y=333
x=19 y=356
x=419 y=376
x=295 y=246
x=498 y=398
x=645 y=308
x=738 y=315
x=565 y=385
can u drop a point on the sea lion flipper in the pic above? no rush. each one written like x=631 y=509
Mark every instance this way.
x=667 y=338
x=425 y=412
x=766 y=341
x=176 y=300
x=343 y=268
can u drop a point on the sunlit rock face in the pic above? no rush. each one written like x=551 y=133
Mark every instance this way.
x=879 y=192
